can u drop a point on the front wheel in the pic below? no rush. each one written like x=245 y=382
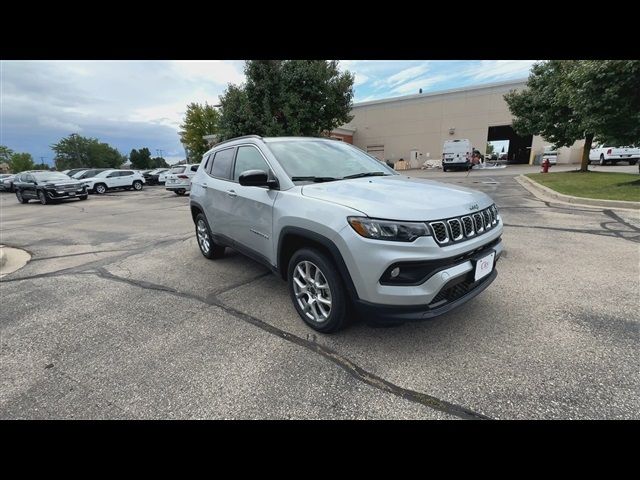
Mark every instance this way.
x=602 y=160
x=633 y=162
x=83 y=197
x=20 y=198
x=42 y=197
x=317 y=290
x=208 y=247
x=100 y=188
x=137 y=185
x=181 y=192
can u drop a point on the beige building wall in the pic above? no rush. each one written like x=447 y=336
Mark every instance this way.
x=423 y=122
x=572 y=154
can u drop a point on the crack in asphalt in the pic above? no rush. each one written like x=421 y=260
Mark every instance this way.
x=615 y=233
x=341 y=361
x=79 y=254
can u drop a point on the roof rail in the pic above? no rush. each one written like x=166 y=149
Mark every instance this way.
x=236 y=138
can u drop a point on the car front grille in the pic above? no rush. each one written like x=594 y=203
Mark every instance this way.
x=458 y=229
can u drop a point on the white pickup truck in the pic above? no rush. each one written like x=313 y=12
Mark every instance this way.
x=613 y=155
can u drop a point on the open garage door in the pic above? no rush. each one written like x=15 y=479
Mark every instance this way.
x=519 y=146
x=376 y=151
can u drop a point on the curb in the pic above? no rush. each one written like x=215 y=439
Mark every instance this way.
x=545 y=193
x=3 y=257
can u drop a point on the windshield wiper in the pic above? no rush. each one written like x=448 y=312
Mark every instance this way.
x=367 y=174
x=313 y=179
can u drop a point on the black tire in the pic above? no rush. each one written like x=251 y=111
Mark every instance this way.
x=83 y=197
x=100 y=188
x=633 y=162
x=602 y=160
x=444 y=168
x=20 y=198
x=337 y=316
x=42 y=197
x=214 y=250
x=137 y=185
x=180 y=192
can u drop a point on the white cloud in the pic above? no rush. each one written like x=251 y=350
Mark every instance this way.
x=57 y=124
x=217 y=71
x=415 y=85
x=499 y=69
x=407 y=74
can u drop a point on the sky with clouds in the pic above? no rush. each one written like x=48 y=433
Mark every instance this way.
x=135 y=104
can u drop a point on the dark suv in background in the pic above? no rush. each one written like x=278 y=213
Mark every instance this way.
x=47 y=187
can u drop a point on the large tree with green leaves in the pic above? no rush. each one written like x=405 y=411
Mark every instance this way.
x=141 y=159
x=570 y=100
x=76 y=151
x=199 y=120
x=287 y=97
x=20 y=162
x=5 y=154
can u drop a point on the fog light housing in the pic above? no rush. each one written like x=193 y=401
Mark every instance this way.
x=395 y=272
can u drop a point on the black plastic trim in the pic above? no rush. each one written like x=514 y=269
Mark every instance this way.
x=376 y=311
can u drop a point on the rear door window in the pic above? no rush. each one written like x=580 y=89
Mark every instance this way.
x=222 y=164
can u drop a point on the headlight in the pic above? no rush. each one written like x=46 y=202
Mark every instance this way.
x=388 y=229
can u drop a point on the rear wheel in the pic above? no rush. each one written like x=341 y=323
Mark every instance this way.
x=602 y=160
x=444 y=168
x=20 y=198
x=207 y=245
x=317 y=290
x=182 y=191
x=42 y=197
x=137 y=185
x=633 y=162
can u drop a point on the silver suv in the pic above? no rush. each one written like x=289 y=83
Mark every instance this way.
x=344 y=230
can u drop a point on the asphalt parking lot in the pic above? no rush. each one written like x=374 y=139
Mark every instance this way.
x=118 y=315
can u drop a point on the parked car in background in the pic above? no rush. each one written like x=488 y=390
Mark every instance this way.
x=179 y=178
x=152 y=177
x=6 y=182
x=612 y=155
x=114 y=179
x=456 y=154
x=89 y=173
x=162 y=176
x=73 y=171
x=551 y=154
x=47 y=187
x=323 y=215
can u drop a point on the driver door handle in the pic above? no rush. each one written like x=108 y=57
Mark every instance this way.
x=232 y=193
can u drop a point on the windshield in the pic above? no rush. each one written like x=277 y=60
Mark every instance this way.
x=328 y=159
x=88 y=174
x=50 y=176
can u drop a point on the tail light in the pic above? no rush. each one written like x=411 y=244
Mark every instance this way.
x=609 y=152
x=182 y=176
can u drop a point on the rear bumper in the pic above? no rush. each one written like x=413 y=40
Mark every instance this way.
x=178 y=187
x=398 y=313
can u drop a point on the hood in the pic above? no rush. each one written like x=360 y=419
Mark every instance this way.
x=399 y=197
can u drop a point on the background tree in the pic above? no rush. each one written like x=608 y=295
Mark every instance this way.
x=287 y=97
x=199 y=120
x=141 y=159
x=159 y=162
x=20 y=162
x=5 y=154
x=41 y=166
x=76 y=151
x=490 y=149
x=570 y=100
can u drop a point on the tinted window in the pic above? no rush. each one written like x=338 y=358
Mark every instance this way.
x=49 y=176
x=126 y=173
x=194 y=168
x=248 y=158
x=113 y=174
x=222 y=163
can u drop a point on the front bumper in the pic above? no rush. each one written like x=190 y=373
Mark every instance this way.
x=61 y=195
x=399 y=313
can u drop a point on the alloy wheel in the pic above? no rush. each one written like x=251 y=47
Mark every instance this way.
x=312 y=291
x=203 y=237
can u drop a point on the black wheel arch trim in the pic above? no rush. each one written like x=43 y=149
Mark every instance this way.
x=325 y=242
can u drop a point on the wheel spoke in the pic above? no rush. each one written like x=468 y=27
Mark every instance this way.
x=300 y=283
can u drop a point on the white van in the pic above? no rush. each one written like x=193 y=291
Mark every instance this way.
x=456 y=154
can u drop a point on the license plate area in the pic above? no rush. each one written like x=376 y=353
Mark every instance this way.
x=483 y=265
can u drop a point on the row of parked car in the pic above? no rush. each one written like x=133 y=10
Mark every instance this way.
x=48 y=186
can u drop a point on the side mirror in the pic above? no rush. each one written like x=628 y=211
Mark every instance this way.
x=256 y=178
